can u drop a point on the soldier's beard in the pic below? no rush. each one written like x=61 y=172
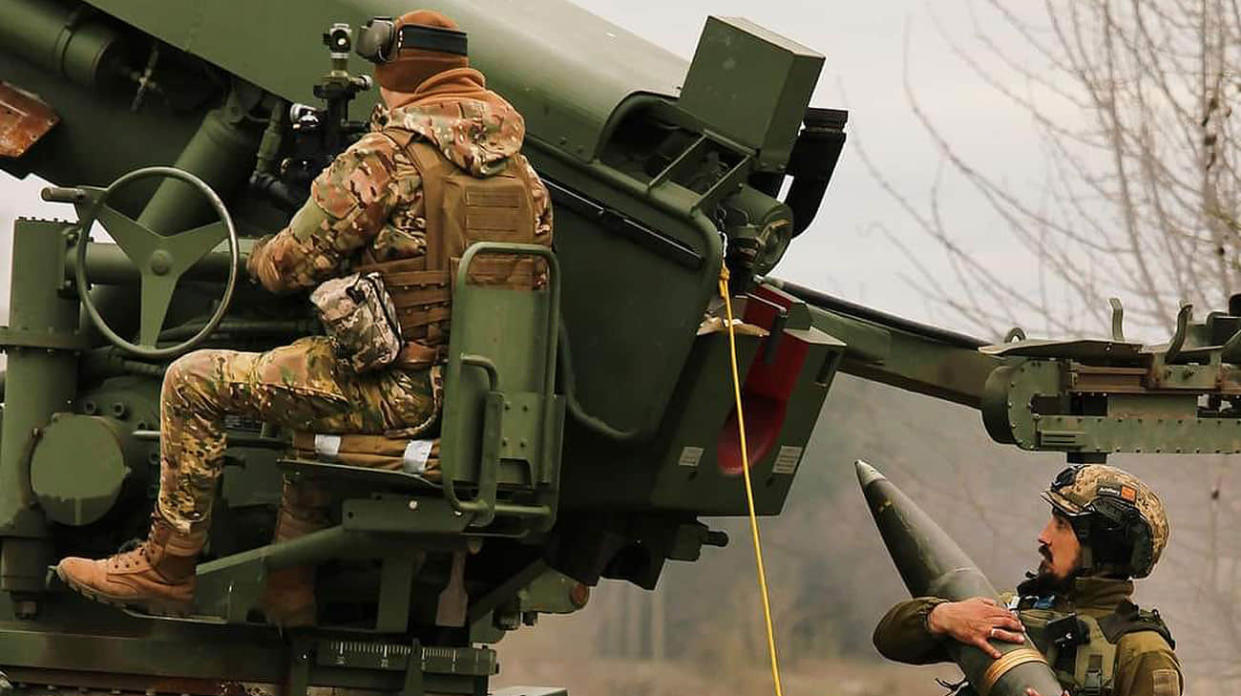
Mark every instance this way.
x=1046 y=575
x=1045 y=579
x=1044 y=582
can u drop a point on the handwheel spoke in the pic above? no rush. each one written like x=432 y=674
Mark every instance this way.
x=189 y=246
x=156 y=296
x=160 y=260
x=133 y=238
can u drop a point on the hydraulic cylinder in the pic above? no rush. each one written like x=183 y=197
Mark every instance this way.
x=60 y=37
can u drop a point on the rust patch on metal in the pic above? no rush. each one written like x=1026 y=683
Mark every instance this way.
x=24 y=119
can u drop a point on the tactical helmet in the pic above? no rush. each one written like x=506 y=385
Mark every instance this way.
x=410 y=48
x=1119 y=520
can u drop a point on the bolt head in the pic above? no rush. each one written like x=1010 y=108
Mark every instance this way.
x=161 y=262
x=579 y=595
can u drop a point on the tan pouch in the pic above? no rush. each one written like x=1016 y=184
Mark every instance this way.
x=360 y=317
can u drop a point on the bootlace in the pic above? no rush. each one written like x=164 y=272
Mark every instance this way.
x=132 y=552
x=133 y=558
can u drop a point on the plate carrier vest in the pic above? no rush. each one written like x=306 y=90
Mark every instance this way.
x=1088 y=668
x=461 y=209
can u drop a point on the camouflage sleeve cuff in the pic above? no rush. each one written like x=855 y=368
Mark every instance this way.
x=299 y=256
x=257 y=254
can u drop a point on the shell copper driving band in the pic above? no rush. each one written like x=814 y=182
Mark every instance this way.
x=1006 y=662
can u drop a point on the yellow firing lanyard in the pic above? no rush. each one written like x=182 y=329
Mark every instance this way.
x=749 y=489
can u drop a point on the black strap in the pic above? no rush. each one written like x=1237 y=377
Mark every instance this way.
x=434 y=39
x=1128 y=618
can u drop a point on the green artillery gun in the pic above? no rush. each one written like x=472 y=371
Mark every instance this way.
x=587 y=427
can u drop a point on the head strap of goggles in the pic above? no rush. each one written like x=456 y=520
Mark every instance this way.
x=433 y=39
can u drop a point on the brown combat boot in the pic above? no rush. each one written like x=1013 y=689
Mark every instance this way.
x=157 y=577
x=289 y=597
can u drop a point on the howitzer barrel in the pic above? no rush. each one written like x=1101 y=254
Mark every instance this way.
x=932 y=564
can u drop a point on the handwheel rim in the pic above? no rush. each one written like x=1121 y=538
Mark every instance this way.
x=83 y=283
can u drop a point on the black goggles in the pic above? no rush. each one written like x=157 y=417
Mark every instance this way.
x=379 y=41
x=1066 y=477
x=1109 y=501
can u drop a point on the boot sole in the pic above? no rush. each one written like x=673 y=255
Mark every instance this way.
x=152 y=607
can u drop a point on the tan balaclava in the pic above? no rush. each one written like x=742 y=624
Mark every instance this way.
x=399 y=77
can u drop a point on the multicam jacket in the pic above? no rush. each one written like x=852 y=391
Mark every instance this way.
x=368 y=203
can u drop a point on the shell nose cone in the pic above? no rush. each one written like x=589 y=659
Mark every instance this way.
x=866 y=474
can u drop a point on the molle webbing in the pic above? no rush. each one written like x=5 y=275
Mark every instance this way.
x=460 y=209
x=1084 y=669
x=1088 y=668
x=421 y=297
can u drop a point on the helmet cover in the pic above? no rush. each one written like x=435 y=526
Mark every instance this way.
x=1118 y=499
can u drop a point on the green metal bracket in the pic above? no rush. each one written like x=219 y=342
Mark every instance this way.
x=396 y=584
x=230 y=587
x=1030 y=404
x=498 y=430
x=403 y=515
x=1178 y=339
x=51 y=340
x=398 y=530
x=301 y=659
x=1118 y=319
x=41 y=377
x=489 y=464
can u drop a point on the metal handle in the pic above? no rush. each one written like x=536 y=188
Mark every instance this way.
x=57 y=194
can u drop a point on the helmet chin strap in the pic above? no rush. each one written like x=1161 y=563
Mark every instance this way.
x=1086 y=562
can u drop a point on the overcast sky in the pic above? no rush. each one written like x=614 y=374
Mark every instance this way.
x=866 y=45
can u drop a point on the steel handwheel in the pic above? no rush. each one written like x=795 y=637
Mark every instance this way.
x=161 y=260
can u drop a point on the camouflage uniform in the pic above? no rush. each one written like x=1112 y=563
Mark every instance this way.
x=368 y=205
x=302 y=386
x=1143 y=662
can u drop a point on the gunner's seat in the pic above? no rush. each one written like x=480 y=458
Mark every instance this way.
x=493 y=471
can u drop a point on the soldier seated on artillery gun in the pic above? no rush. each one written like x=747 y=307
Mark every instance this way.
x=1106 y=527
x=395 y=204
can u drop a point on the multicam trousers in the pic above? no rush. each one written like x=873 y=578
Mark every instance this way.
x=301 y=386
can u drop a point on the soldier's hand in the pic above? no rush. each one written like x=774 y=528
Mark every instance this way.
x=974 y=622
